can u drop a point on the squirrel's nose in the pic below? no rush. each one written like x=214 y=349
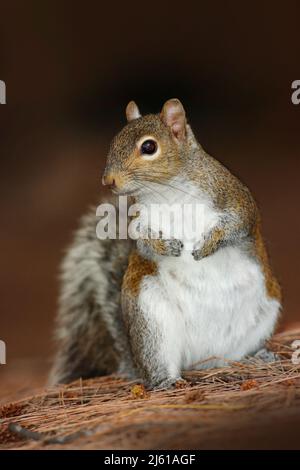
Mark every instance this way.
x=109 y=180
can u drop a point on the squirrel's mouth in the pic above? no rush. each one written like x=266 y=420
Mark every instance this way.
x=129 y=192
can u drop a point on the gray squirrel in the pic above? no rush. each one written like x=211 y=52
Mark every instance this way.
x=152 y=308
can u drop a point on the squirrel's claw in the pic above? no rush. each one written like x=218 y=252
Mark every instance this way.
x=197 y=255
x=168 y=383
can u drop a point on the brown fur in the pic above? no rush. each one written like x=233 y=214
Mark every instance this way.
x=157 y=245
x=124 y=160
x=272 y=285
x=138 y=267
x=213 y=242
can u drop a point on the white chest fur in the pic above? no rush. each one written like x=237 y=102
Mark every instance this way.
x=208 y=310
x=179 y=210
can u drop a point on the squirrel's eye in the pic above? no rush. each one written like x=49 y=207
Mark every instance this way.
x=148 y=147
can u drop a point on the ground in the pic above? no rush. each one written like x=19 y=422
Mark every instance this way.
x=244 y=405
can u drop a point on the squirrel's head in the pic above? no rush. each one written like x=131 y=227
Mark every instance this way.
x=149 y=149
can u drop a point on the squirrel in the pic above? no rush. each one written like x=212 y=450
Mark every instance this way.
x=151 y=308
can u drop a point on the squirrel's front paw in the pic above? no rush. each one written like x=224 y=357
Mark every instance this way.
x=151 y=240
x=173 y=247
x=200 y=253
x=196 y=254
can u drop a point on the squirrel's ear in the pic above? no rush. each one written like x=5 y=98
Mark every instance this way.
x=173 y=115
x=132 y=111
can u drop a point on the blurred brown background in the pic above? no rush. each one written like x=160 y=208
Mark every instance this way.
x=71 y=67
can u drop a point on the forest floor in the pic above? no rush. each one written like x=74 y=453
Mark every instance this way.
x=241 y=406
